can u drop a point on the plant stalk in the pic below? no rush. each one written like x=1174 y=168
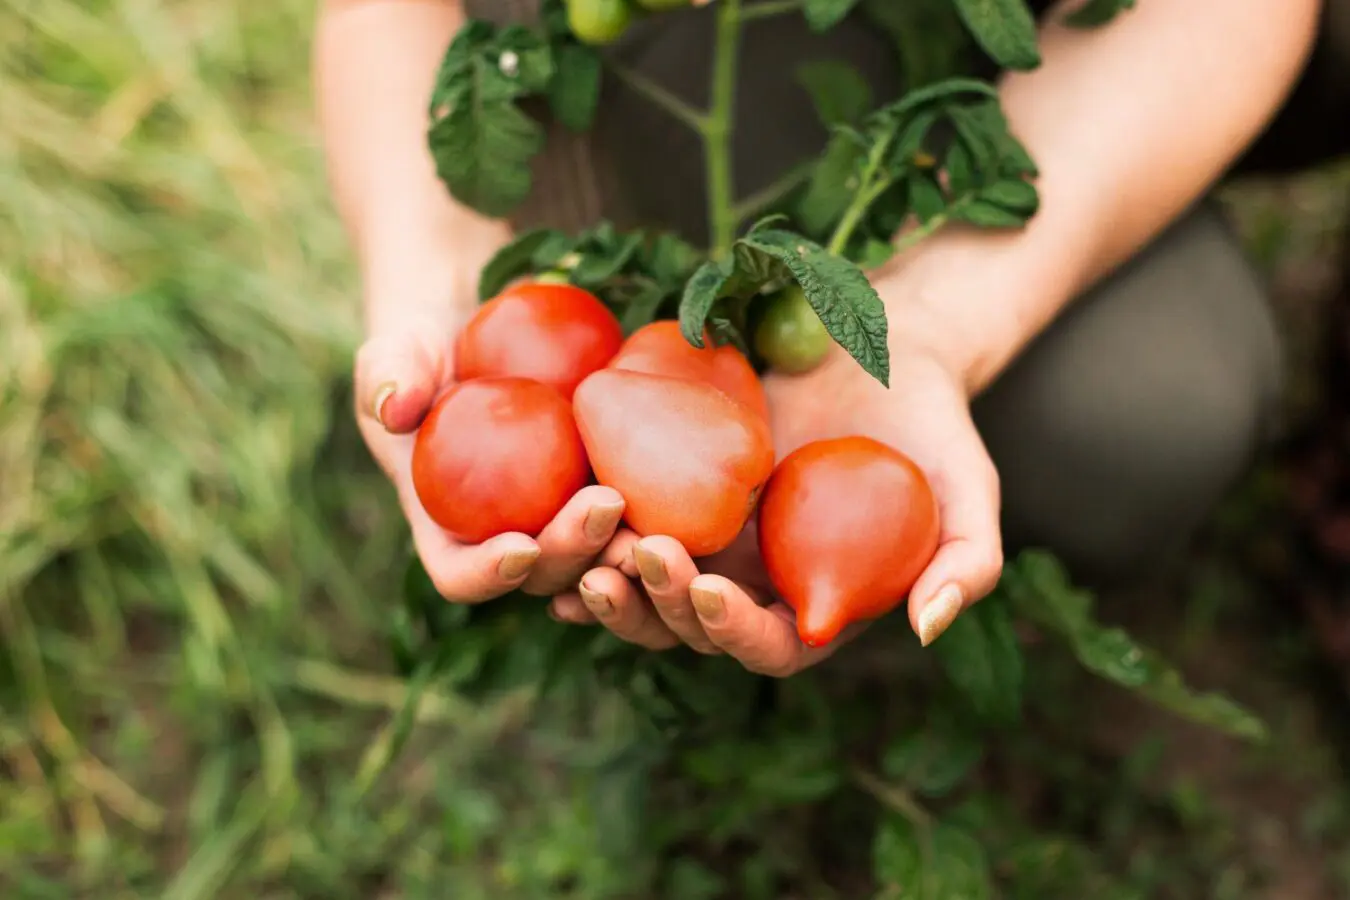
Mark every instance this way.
x=717 y=133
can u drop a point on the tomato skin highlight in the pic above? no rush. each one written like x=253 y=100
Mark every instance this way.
x=496 y=455
x=555 y=334
x=790 y=336
x=659 y=348
x=689 y=461
x=598 y=22
x=846 y=526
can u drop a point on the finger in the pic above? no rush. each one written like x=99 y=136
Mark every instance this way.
x=569 y=608
x=666 y=570
x=621 y=607
x=398 y=375
x=570 y=543
x=761 y=639
x=969 y=558
x=619 y=553
x=471 y=573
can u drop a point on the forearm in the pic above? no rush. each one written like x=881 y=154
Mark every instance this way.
x=1129 y=124
x=375 y=64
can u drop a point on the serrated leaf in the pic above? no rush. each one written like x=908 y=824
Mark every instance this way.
x=925 y=197
x=1006 y=30
x=1039 y=589
x=839 y=93
x=512 y=261
x=823 y=15
x=983 y=659
x=838 y=291
x=942 y=862
x=1014 y=195
x=703 y=290
x=1097 y=12
x=574 y=90
x=987 y=215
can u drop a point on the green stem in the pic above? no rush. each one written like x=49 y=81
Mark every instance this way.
x=718 y=131
x=769 y=8
x=853 y=216
x=677 y=108
x=772 y=193
x=893 y=797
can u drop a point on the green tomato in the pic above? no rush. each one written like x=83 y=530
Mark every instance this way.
x=663 y=5
x=790 y=336
x=598 y=21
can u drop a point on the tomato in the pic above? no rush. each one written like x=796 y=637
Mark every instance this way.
x=663 y=5
x=790 y=336
x=688 y=460
x=497 y=455
x=846 y=526
x=660 y=349
x=598 y=21
x=556 y=334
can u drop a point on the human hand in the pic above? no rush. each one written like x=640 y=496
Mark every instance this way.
x=405 y=364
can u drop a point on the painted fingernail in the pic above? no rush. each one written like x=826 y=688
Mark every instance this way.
x=940 y=613
x=516 y=563
x=708 y=603
x=602 y=520
x=595 y=601
x=386 y=390
x=650 y=566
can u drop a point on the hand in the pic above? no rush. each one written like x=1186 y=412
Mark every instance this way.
x=405 y=364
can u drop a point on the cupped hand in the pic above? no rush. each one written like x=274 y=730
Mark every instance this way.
x=404 y=365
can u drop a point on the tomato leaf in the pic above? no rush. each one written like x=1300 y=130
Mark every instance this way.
x=1013 y=194
x=823 y=15
x=987 y=215
x=1039 y=589
x=926 y=200
x=1097 y=12
x=1005 y=29
x=839 y=93
x=929 y=863
x=703 y=290
x=983 y=660
x=513 y=260
x=480 y=140
x=827 y=193
x=838 y=291
x=574 y=90
x=934 y=759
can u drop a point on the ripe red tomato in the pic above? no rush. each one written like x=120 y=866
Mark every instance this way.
x=660 y=349
x=556 y=334
x=497 y=455
x=688 y=460
x=846 y=527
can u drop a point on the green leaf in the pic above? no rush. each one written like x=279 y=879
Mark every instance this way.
x=960 y=169
x=987 y=215
x=1006 y=30
x=839 y=93
x=641 y=308
x=925 y=197
x=606 y=260
x=1014 y=195
x=933 y=760
x=480 y=140
x=838 y=291
x=983 y=659
x=1039 y=589
x=823 y=15
x=1097 y=12
x=512 y=261
x=827 y=194
x=939 y=862
x=873 y=254
x=703 y=290
x=574 y=91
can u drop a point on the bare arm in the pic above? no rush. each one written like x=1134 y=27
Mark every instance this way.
x=375 y=63
x=1129 y=124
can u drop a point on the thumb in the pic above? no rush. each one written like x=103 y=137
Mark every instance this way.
x=400 y=373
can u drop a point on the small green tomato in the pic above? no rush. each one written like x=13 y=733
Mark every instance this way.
x=790 y=336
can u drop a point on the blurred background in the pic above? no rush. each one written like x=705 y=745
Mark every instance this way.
x=197 y=558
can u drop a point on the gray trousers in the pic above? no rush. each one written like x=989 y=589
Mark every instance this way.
x=1120 y=428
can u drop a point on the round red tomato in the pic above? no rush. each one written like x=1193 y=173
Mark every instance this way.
x=497 y=455
x=556 y=334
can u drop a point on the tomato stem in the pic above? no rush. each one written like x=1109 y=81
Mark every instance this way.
x=692 y=117
x=717 y=134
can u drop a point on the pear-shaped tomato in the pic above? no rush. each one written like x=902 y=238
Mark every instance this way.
x=556 y=334
x=846 y=527
x=660 y=349
x=688 y=460
x=497 y=455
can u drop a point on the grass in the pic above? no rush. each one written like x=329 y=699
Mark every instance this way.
x=197 y=558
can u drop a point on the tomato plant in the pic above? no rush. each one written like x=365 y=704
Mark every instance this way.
x=552 y=333
x=663 y=5
x=790 y=336
x=660 y=349
x=497 y=455
x=599 y=22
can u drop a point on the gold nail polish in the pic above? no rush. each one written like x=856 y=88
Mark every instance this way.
x=940 y=613
x=517 y=563
x=602 y=520
x=595 y=601
x=708 y=603
x=650 y=566
x=386 y=390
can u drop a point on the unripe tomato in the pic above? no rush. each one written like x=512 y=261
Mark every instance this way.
x=555 y=334
x=497 y=455
x=598 y=21
x=790 y=336
x=663 y=5
x=846 y=526
x=660 y=349
x=688 y=460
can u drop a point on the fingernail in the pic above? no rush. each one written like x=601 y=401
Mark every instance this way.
x=516 y=563
x=708 y=603
x=595 y=601
x=553 y=614
x=650 y=566
x=602 y=520
x=940 y=613
x=386 y=390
